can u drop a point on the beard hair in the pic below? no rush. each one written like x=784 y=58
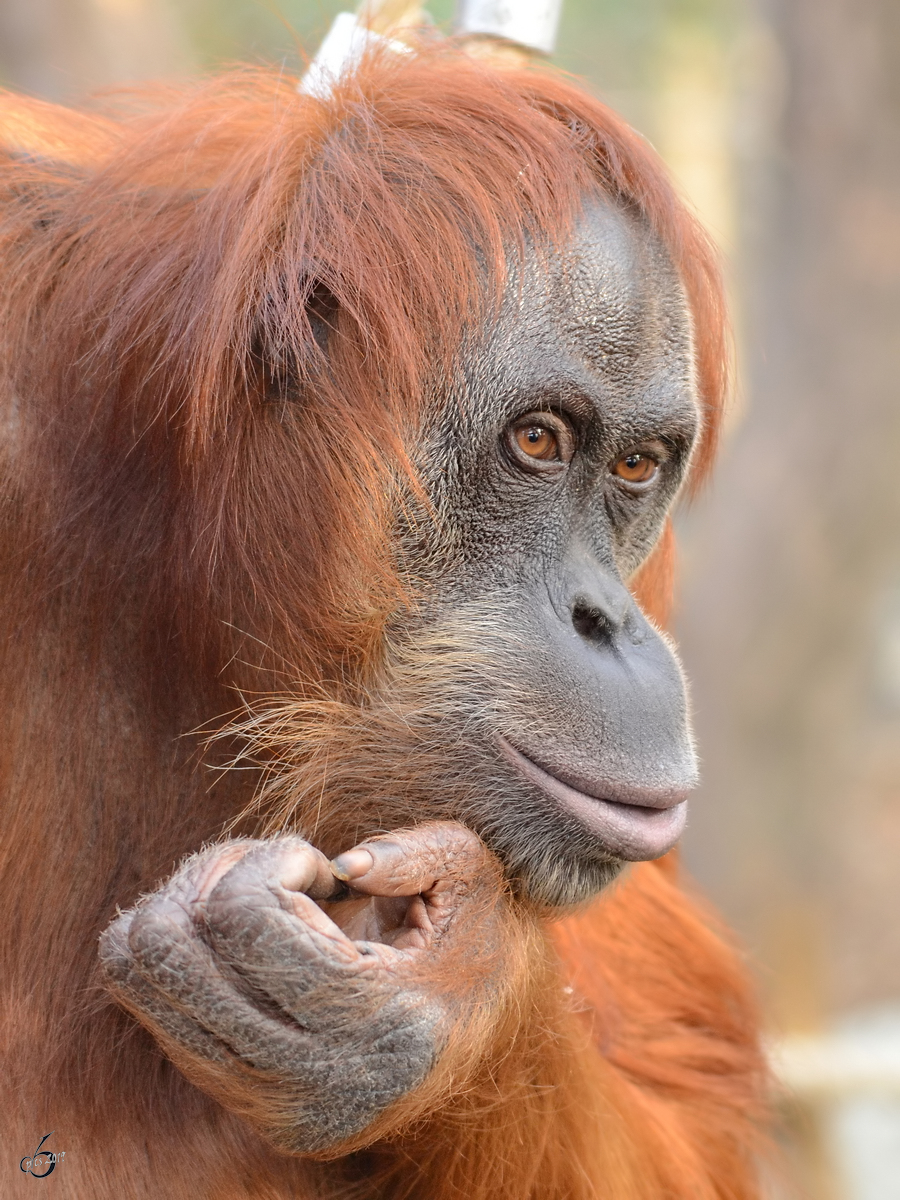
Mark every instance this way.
x=420 y=745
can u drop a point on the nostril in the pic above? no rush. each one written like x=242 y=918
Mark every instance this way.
x=592 y=623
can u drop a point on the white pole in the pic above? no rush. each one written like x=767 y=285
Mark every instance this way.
x=343 y=46
x=530 y=24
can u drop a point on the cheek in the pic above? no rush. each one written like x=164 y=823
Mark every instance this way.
x=633 y=546
x=636 y=525
x=506 y=540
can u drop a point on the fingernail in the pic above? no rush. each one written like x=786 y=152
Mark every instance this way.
x=352 y=864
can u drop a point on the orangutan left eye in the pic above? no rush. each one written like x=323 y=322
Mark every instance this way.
x=538 y=442
x=635 y=468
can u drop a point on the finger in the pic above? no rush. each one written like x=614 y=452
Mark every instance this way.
x=207 y=868
x=164 y=972
x=434 y=856
x=331 y=1083
x=296 y=865
x=146 y=1002
x=175 y=958
x=278 y=940
x=277 y=880
x=273 y=886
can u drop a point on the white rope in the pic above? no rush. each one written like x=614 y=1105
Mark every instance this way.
x=839 y=1064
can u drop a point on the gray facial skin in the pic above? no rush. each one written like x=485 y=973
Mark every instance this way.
x=575 y=719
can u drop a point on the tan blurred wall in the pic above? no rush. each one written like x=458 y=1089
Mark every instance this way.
x=790 y=613
x=60 y=49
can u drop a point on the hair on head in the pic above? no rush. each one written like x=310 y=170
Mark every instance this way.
x=186 y=266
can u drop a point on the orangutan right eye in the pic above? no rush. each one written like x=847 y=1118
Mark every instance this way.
x=540 y=442
x=636 y=468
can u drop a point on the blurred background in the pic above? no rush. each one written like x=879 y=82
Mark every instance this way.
x=781 y=122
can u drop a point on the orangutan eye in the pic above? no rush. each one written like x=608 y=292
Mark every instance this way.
x=635 y=468
x=540 y=441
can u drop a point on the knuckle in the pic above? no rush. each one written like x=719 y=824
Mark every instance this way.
x=203 y=871
x=285 y=861
x=159 y=932
x=437 y=854
x=452 y=837
x=460 y=851
x=239 y=921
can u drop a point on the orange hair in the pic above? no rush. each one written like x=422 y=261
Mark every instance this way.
x=160 y=265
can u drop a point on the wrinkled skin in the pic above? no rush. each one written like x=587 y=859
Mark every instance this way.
x=577 y=751
x=237 y=964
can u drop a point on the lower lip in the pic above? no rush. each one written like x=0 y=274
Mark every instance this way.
x=633 y=832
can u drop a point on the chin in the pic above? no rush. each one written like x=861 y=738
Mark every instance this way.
x=561 y=846
x=565 y=881
x=550 y=858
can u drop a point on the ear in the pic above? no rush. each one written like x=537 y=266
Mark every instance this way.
x=653 y=584
x=289 y=347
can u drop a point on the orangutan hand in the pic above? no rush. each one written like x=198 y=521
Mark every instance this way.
x=311 y=1019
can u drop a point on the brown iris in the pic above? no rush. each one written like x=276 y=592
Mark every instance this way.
x=635 y=468
x=537 y=441
x=540 y=442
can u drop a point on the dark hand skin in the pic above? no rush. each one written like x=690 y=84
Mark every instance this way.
x=235 y=963
x=558 y=724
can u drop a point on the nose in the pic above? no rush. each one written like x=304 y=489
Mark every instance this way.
x=600 y=607
x=601 y=613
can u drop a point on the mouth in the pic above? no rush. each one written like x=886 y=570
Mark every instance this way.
x=632 y=824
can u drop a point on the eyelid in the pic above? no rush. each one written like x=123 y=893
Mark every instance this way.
x=654 y=448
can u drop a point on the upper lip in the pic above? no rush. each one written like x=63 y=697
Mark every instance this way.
x=632 y=795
